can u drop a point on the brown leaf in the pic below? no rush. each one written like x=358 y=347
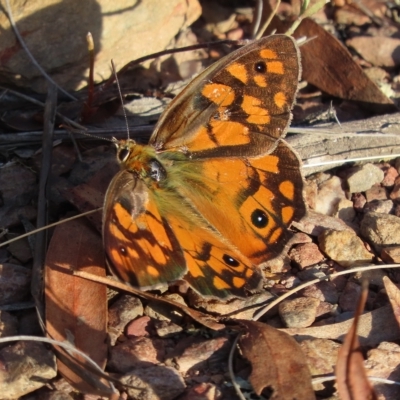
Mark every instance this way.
x=277 y=362
x=351 y=377
x=328 y=65
x=76 y=309
x=393 y=293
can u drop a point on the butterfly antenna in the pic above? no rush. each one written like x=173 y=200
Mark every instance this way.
x=120 y=96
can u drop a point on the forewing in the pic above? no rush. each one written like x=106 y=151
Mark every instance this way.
x=139 y=243
x=238 y=106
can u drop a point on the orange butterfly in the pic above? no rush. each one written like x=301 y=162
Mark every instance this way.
x=213 y=193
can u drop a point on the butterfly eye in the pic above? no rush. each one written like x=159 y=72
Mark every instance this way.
x=230 y=261
x=259 y=219
x=157 y=171
x=123 y=154
x=260 y=67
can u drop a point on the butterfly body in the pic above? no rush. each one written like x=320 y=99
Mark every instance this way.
x=214 y=192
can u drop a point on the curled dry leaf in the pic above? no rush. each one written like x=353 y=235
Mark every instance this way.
x=351 y=377
x=277 y=361
x=76 y=309
x=328 y=65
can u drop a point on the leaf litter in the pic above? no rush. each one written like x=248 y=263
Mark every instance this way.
x=346 y=79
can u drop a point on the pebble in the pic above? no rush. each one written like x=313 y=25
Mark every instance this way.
x=359 y=201
x=344 y=247
x=363 y=178
x=390 y=176
x=380 y=230
x=395 y=193
x=202 y=391
x=164 y=311
x=383 y=362
x=14 y=283
x=349 y=297
x=298 y=313
x=380 y=206
x=305 y=255
x=330 y=192
x=391 y=254
x=323 y=291
x=25 y=367
x=155 y=382
x=136 y=352
x=121 y=312
x=377 y=192
x=203 y=353
x=345 y=210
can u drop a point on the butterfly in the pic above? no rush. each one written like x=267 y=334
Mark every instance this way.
x=212 y=195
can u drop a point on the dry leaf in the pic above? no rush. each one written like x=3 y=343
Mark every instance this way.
x=351 y=377
x=277 y=362
x=76 y=309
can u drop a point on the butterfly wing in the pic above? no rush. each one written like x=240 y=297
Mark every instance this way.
x=251 y=201
x=155 y=236
x=238 y=106
x=140 y=246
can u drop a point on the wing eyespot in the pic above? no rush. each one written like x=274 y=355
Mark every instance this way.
x=260 y=67
x=232 y=262
x=259 y=219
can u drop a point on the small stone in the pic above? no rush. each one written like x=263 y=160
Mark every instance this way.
x=391 y=254
x=139 y=327
x=164 y=311
x=306 y=255
x=153 y=383
x=326 y=310
x=120 y=313
x=381 y=230
x=321 y=355
x=314 y=224
x=310 y=193
x=26 y=366
x=377 y=192
x=298 y=313
x=218 y=307
x=390 y=176
x=359 y=201
x=383 y=362
x=395 y=193
x=349 y=297
x=379 y=206
x=344 y=247
x=136 y=352
x=202 y=391
x=203 y=353
x=167 y=329
x=14 y=283
x=345 y=210
x=330 y=193
x=363 y=178
x=323 y=291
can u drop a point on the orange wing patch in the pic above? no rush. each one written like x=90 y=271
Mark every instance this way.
x=238 y=71
x=222 y=95
x=275 y=67
x=257 y=114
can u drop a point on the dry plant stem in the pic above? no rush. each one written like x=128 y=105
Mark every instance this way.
x=230 y=368
x=370 y=378
x=65 y=345
x=327 y=277
x=40 y=245
x=305 y=13
x=49 y=226
x=268 y=21
x=90 y=42
x=29 y=54
x=258 y=9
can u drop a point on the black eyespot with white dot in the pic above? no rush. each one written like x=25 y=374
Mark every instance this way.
x=260 y=67
x=232 y=262
x=122 y=250
x=259 y=219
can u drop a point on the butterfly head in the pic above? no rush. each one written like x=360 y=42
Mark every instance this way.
x=124 y=150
